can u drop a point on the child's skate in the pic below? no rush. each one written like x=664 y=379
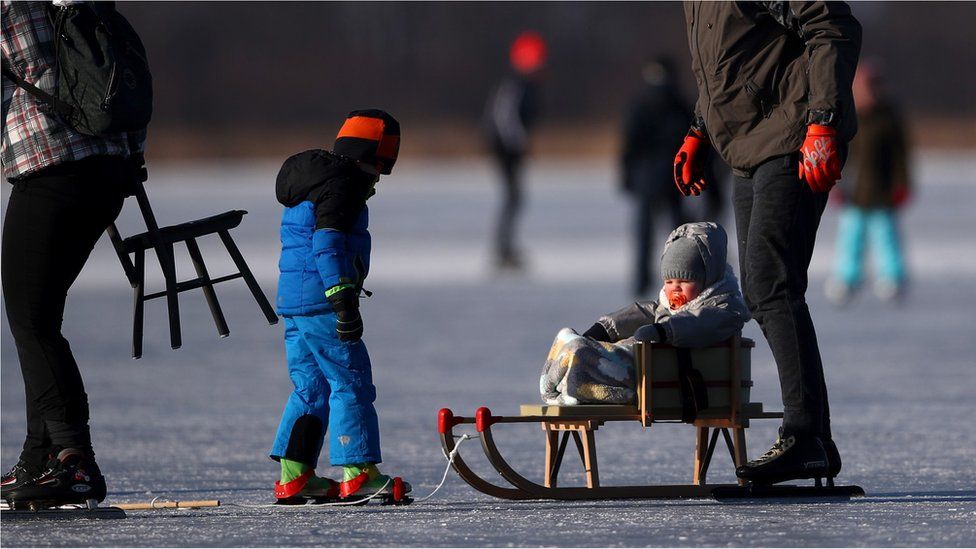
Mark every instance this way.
x=306 y=487
x=365 y=481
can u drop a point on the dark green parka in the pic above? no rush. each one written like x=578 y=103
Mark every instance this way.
x=762 y=66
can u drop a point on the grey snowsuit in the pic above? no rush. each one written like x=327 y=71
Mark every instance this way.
x=581 y=370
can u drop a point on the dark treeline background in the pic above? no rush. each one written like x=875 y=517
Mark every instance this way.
x=260 y=78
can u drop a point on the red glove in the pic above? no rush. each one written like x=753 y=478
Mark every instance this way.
x=689 y=164
x=819 y=163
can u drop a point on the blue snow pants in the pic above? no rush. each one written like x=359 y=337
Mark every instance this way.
x=333 y=391
x=876 y=228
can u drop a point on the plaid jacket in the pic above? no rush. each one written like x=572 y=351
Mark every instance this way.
x=33 y=135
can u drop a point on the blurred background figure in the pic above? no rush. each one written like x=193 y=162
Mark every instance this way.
x=510 y=113
x=874 y=187
x=656 y=119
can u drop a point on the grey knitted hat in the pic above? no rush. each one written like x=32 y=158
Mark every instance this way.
x=683 y=260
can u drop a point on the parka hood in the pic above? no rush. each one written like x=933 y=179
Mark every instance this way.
x=303 y=176
x=712 y=243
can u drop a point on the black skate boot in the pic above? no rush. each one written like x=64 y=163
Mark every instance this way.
x=791 y=457
x=833 y=459
x=71 y=477
x=20 y=475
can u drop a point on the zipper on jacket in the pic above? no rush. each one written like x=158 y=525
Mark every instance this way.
x=695 y=25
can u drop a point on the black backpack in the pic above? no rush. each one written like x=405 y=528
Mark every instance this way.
x=104 y=83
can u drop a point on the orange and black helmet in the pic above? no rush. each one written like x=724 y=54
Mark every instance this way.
x=370 y=136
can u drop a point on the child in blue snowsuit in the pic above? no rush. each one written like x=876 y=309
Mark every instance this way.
x=325 y=249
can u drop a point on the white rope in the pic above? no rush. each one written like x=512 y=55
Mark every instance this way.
x=450 y=462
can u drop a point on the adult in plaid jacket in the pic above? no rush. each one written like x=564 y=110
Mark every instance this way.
x=67 y=189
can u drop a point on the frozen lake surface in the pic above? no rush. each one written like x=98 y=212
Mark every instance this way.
x=444 y=330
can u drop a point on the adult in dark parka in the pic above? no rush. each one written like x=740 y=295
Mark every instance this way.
x=774 y=82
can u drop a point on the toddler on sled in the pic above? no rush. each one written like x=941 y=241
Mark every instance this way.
x=699 y=305
x=325 y=247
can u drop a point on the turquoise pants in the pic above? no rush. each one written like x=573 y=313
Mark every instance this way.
x=873 y=228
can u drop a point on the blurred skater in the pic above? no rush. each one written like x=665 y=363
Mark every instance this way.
x=325 y=252
x=510 y=113
x=875 y=186
x=68 y=187
x=656 y=119
x=775 y=101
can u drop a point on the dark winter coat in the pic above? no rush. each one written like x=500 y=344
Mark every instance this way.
x=324 y=236
x=510 y=112
x=655 y=121
x=761 y=66
x=877 y=168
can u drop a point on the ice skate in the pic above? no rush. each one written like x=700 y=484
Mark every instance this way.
x=791 y=457
x=833 y=459
x=17 y=477
x=366 y=481
x=70 y=478
x=299 y=485
x=838 y=292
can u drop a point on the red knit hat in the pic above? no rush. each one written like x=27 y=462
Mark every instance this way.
x=528 y=53
x=370 y=136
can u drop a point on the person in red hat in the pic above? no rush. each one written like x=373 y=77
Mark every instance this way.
x=325 y=248
x=510 y=113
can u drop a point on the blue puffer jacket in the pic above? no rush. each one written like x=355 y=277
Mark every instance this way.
x=324 y=236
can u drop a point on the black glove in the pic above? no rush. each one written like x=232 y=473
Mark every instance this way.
x=345 y=303
x=651 y=333
x=598 y=332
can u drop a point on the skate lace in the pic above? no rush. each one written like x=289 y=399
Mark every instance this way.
x=774 y=451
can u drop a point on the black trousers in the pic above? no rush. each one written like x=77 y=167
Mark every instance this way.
x=510 y=165
x=52 y=222
x=776 y=218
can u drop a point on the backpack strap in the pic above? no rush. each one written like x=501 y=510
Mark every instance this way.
x=694 y=395
x=59 y=106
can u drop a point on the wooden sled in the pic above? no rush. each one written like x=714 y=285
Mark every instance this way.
x=705 y=399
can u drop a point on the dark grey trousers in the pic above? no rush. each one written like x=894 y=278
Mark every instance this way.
x=776 y=218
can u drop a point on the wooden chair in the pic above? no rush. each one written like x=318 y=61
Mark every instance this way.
x=162 y=240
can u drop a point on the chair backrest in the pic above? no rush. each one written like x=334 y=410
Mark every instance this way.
x=644 y=375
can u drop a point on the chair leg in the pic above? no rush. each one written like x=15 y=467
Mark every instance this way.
x=552 y=450
x=589 y=458
x=167 y=263
x=208 y=290
x=138 y=301
x=701 y=449
x=252 y=284
x=739 y=446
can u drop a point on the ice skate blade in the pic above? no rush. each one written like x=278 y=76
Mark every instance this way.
x=779 y=491
x=39 y=510
x=405 y=500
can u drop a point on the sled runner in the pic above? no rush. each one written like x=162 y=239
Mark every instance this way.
x=707 y=388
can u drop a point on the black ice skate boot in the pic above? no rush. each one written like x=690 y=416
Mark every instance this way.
x=791 y=457
x=71 y=477
x=20 y=475
x=833 y=457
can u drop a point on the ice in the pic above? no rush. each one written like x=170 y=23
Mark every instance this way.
x=445 y=331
